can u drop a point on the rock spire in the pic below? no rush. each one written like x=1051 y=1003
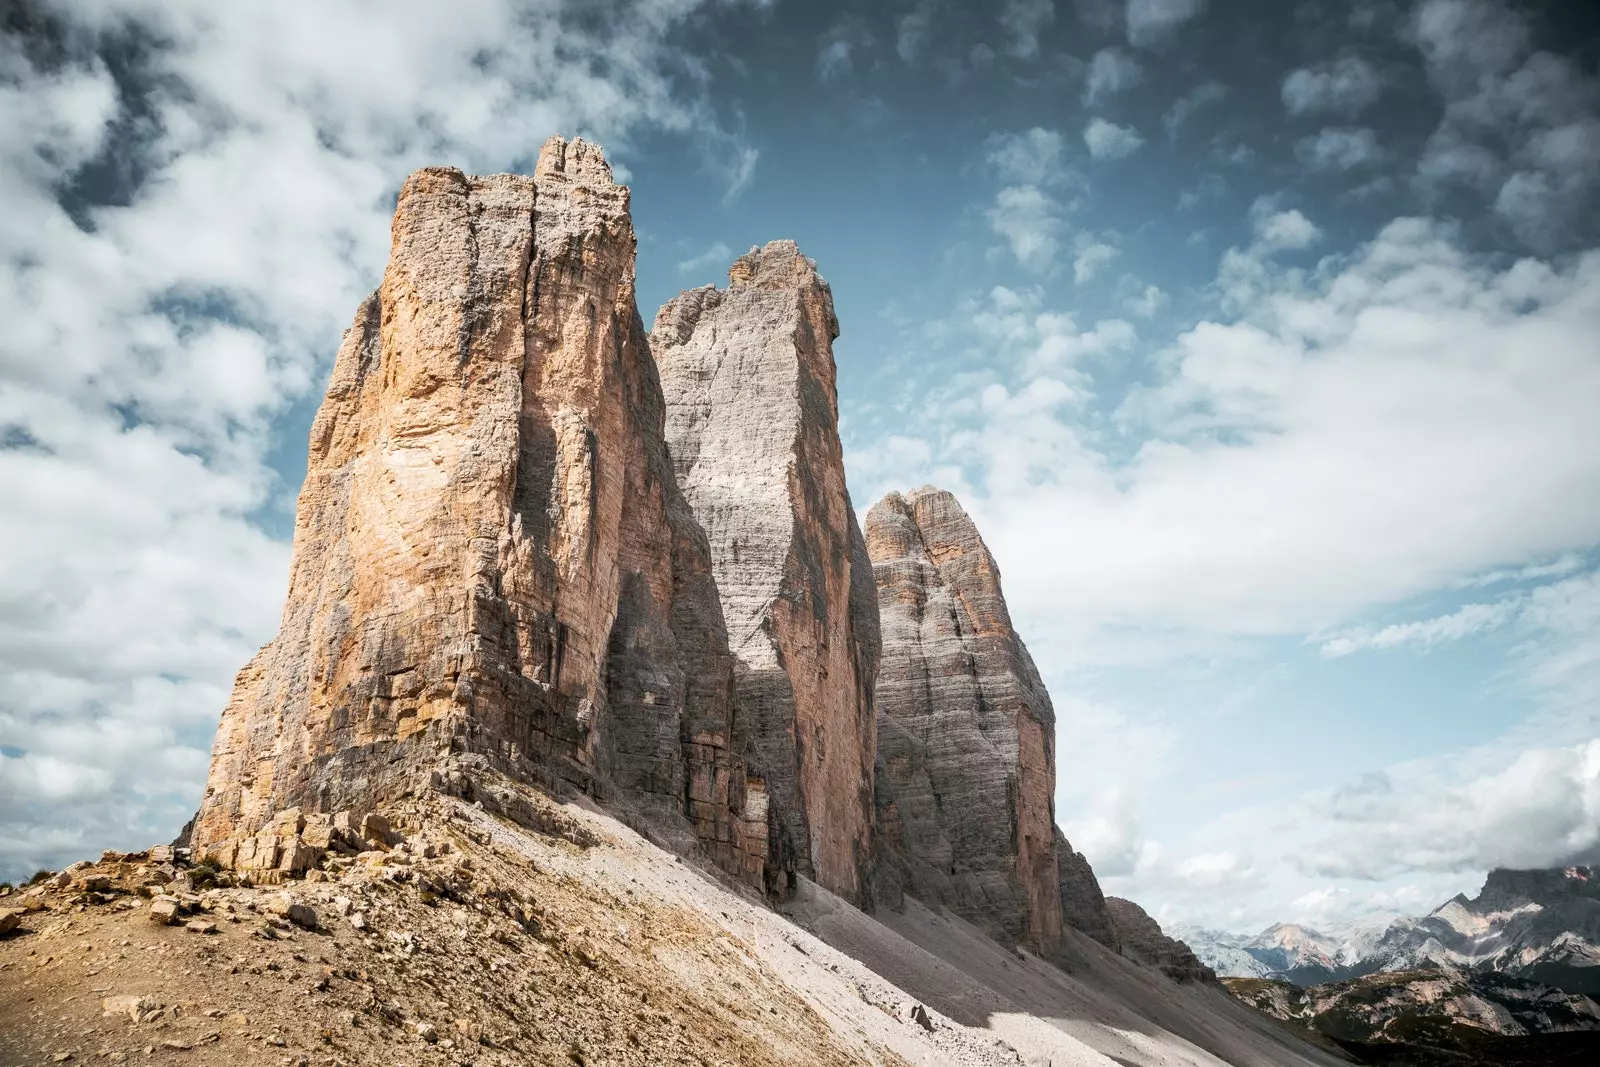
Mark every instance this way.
x=752 y=423
x=966 y=731
x=491 y=554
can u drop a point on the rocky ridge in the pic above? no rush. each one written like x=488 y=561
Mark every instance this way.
x=752 y=421
x=1143 y=942
x=1433 y=1016
x=1541 y=924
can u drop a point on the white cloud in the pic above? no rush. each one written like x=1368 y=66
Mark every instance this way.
x=716 y=256
x=1277 y=230
x=913 y=31
x=1518 y=126
x=1464 y=622
x=1345 y=86
x=1023 y=20
x=1355 y=435
x=839 y=47
x=1537 y=808
x=1339 y=148
x=1111 y=71
x=1030 y=221
x=149 y=352
x=1146 y=303
x=1107 y=140
x=1030 y=158
x=1152 y=22
x=1200 y=96
x=1090 y=257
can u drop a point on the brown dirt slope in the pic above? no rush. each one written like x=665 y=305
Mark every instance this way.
x=478 y=941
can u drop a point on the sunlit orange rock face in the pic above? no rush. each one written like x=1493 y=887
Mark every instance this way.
x=491 y=553
x=753 y=425
x=966 y=730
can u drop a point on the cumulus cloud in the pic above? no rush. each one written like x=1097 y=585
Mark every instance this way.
x=158 y=332
x=1111 y=71
x=1091 y=255
x=1339 y=148
x=1023 y=20
x=1024 y=213
x=1034 y=157
x=1537 y=809
x=1146 y=303
x=913 y=31
x=1202 y=95
x=1107 y=140
x=1518 y=124
x=1030 y=221
x=1153 y=22
x=1345 y=86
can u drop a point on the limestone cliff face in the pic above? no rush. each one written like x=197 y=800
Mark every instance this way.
x=1143 y=942
x=752 y=423
x=491 y=554
x=1083 y=904
x=966 y=731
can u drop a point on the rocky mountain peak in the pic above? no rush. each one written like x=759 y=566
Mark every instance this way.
x=577 y=160
x=492 y=559
x=966 y=730
x=752 y=422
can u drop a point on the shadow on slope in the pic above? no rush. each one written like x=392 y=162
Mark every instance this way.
x=1125 y=1013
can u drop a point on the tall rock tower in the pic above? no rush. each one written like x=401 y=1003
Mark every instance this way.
x=753 y=426
x=966 y=731
x=491 y=553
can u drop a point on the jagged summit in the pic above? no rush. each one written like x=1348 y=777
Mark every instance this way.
x=966 y=731
x=577 y=160
x=492 y=558
x=752 y=423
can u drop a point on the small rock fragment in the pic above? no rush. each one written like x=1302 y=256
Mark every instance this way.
x=428 y=1032
x=164 y=910
x=200 y=926
x=10 y=919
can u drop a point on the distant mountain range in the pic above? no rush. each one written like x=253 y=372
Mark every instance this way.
x=1435 y=1017
x=1540 y=925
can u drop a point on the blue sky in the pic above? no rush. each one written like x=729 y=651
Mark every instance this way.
x=1260 y=338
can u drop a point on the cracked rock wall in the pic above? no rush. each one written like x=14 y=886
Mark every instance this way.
x=966 y=730
x=752 y=423
x=491 y=553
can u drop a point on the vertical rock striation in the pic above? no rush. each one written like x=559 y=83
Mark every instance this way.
x=966 y=731
x=491 y=554
x=752 y=423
